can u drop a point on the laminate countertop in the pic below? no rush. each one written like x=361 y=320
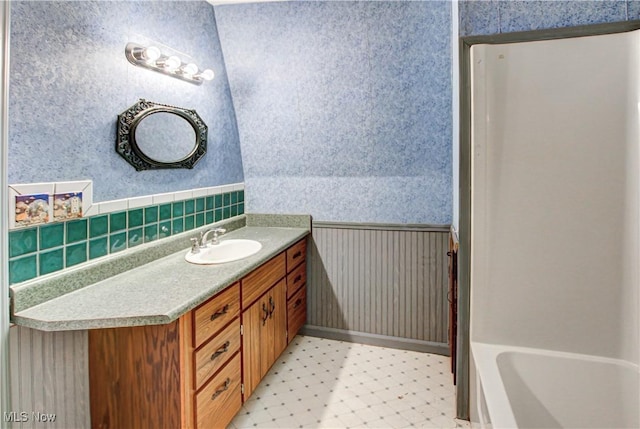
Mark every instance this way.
x=149 y=293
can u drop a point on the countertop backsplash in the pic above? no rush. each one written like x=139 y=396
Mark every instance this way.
x=117 y=226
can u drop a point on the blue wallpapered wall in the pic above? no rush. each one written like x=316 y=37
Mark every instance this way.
x=343 y=108
x=505 y=16
x=70 y=79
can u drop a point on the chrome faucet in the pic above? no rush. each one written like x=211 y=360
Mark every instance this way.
x=217 y=232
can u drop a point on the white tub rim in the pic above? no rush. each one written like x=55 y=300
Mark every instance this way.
x=485 y=356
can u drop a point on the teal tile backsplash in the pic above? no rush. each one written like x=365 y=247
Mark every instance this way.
x=21 y=269
x=135 y=237
x=51 y=236
x=49 y=248
x=150 y=232
x=117 y=242
x=76 y=254
x=199 y=219
x=165 y=211
x=151 y=214
x=98 y=226
x=51 y=261
x=177 y=225
x=189 y=207
x=98 y=247
x=117 y=221
x=23 y=241
x=165 y=229
x=136 y=218
x=76 y=230
x=189 y=222
x=178 y=209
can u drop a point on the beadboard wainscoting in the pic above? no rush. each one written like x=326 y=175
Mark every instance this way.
x=49 y=379
x=379 y=284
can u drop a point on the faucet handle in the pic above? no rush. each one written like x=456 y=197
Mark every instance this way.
x=217 y=233
x=195 y=245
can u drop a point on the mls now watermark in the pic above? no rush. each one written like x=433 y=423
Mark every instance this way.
x=24 y=416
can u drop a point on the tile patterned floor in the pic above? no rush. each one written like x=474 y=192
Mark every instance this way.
x=319 y=383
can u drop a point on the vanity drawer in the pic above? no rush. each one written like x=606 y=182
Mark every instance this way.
x=296 y=254
x=297 y=312
x=213 y=355
x=261 y=279
x=214 y=314
x=295 y=279
x=220 y=399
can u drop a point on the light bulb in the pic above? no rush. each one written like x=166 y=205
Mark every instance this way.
x=151 y=54
x=190 y=69
x=172 y=63
x=207 y=74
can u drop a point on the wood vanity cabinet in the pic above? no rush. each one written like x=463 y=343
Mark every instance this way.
x=191 y=373
x=186 y=374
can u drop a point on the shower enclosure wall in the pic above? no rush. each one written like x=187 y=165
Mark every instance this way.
x=555 y=231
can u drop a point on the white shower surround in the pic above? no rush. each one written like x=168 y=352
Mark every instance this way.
x=555 y=211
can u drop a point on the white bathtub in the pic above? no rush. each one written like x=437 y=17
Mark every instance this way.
x=531 y=388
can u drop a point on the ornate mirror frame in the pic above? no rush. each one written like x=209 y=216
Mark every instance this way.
x=128 y=148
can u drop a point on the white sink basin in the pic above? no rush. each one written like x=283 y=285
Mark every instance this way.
x=224 y=251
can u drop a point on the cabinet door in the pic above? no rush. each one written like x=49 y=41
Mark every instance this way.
x=279 y=319
x=266 y=352
x=274 y=331
x=254 y=319
x=265 y=335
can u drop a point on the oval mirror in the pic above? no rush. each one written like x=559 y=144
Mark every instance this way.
x=165 y=137
x=153 y=135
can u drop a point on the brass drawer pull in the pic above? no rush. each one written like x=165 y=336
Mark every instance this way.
x=224 y=387
x=221 y=350
x=222 y=312
x=297 y=303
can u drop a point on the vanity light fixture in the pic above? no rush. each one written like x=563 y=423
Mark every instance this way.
x=152 y=58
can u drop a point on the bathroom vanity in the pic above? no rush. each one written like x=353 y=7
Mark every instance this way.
x=179 y=345
x=197 y=370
